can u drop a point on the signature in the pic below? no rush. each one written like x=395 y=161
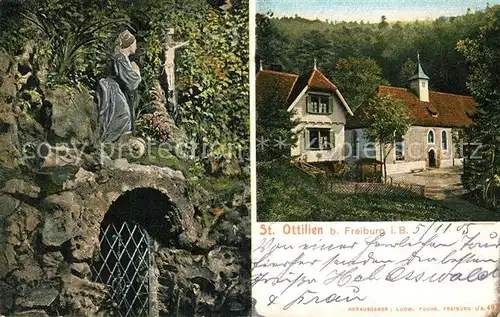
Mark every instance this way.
x=330 y=270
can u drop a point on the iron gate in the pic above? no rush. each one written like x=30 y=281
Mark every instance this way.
x=124 y=266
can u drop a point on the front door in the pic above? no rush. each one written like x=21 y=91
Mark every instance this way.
x=432 y=158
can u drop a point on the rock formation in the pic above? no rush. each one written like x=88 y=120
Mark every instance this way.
x=55 y=201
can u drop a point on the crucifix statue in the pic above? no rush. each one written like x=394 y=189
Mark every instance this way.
x=169 y=66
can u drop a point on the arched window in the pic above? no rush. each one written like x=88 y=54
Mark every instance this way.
x=371 y=152
x=400 y=148
x=355 y=141
x=444 y=140
x=430 y=137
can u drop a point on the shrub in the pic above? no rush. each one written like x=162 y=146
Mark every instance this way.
x=153 y=126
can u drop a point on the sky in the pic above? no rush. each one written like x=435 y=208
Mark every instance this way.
x=371 y=10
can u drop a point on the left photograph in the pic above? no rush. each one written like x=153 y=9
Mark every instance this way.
x=124 y=158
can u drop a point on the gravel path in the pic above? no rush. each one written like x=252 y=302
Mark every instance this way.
x=442 y=184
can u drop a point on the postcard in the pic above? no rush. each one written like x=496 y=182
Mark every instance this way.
x=377 y=156
x=124 y=158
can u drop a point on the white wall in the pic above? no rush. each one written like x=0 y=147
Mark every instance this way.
x=415 y=150
x=335 y=121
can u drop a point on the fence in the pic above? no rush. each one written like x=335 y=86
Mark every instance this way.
x=401 y=190
x=392 y=189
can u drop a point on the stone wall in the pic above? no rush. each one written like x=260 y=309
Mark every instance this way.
x=49 y=241
x=52 y=208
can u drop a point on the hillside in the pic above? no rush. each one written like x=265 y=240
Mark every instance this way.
x=294 y=42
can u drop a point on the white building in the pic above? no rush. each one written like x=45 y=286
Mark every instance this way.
x=319 y=108
x=429 y=142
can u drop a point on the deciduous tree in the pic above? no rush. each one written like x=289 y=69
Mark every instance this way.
x=357 y=79
x=387 y=117
x=483 y=55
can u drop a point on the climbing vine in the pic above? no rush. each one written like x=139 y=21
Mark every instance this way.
x=73 y=40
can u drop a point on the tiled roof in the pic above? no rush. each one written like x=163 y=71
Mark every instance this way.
x=273 y=82
x=315 y=80
x=287 y=87
x=442 y=110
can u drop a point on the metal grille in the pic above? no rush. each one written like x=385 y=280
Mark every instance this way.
x=124 y=266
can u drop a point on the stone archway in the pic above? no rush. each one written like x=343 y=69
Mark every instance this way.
x=432 y=159
x=133 y=224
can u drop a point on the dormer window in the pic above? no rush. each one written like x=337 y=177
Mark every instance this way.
x=318 y=104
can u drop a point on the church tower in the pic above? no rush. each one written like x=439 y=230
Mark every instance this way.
x=420 y=82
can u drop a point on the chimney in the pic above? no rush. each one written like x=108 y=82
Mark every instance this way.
x=276 y=67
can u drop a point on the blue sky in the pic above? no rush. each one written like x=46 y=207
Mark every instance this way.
x=371 y=10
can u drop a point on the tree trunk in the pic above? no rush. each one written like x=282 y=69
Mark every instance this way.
x=384 y=160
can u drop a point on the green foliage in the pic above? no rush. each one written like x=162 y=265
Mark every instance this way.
x=387 y=117
x=153 y=126
x=271 y=45
x=212 y=70
x=483 y=170
x=224 y=188
x=357 y=78
x=73 y=41
x=274 y=123
x=286 y=193
x=70 y=37
x=300 y=40
x=407 y=70
x=163 y=158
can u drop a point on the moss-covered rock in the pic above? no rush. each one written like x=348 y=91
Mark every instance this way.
x=74 y=115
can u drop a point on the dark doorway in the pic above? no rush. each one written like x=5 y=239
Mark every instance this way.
x=432 y=158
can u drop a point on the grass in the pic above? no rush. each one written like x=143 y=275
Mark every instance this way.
x=222 y=188
x=163 y=158
x=285 y=193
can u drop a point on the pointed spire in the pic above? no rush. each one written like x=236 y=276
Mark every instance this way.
x=315 y=64
x=420 y=71
x=260 y=66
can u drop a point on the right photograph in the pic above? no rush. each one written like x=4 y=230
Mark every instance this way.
x=377 y=112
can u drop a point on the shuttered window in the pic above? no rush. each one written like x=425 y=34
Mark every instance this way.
x=319 y=104
x=320 y=139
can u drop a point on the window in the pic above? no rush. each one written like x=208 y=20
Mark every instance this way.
x=318 y=104
x=355 y=141
x=371 y=152
x=430 y=137
x=400 y=147
x=444 y=140
x=423 y=84
x=320 y=139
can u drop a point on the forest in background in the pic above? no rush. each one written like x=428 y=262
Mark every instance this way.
x=460 y=55
x=359 y=56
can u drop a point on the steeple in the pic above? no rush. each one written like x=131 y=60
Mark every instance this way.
x=420 y=82
x=315 y=64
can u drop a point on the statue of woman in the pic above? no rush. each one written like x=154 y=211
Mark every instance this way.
x=117 y=92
